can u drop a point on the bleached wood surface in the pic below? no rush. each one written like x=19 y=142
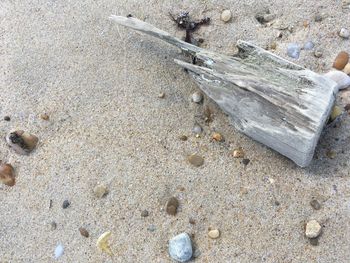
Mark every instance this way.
x=270 y=99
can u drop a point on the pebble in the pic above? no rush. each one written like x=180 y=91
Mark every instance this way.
x=7 y=118
x=197 y=97
x=21 y=142
x=161 y=95
x=144 y=213
x=171 y=206
x=151 y=228
x=83 y=232
x=336 y=111
x=340 y=78
x=293 y=50
x=318 y=53
x=197 y=129
x=238 y=153
x=313 y=229
x=102 y=243
x=217 y=137
x=59 y=250
x=180 y=247
x=65 y=204
x=318 y=17
x=7 y=174
x=344 y=33
x=100 y=190
x=245 y=161
x=331 y=154
x=346 y=69
x=226 y=15
x=53 y=225
x=309 y=45
x=315 y=204
x=195 y=160
x=45 y=116
x=264 y=17
x=341 y=60
x=183 y=138
x=214 y=234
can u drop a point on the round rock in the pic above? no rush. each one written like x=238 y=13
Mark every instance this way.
x=293 y=50
x=318 y=53
x=195 y=160
x=180 y=248
x=197 y=129
x=197 y=97
x=344 y=33
x=214 y=234
x=226 y=15
x=341 y=60
x=171 y=206
x=312 y=229
x=100 y=190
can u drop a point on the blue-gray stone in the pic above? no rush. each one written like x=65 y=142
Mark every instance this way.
x=180 y=247
x=309 y=45
x=293 y=50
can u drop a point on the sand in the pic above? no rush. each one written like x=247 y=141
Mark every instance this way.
x=99 y=83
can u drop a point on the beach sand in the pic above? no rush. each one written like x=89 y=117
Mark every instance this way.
x=99 y=84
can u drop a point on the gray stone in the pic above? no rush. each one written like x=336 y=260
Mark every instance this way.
x=197 y=97
x=293 y=50
x=309 y=45
x=344 y=33
x=180 y=247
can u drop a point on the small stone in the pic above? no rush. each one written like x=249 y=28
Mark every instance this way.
x=7 y=118
x=53 y=225
x=226 y=15
x=144 y=213
x=331 y=154
x=171 y=206
x=318 y=17
x=151 y=228
x=293 y=50
x=195 y=160
x=306 y=23
x=313 y=229
x=318 y=53
x=65 y=204
x=161 y=95
x=347 y=69
x=217 y=137
x=245 y=161
x=7 y=174
x=309 y=45
x=336 y=112
x=180 y=247
x=347 y=107
x=197 y=129
x=344 y=33
x=192 y=221
x=197 y=97
x=264 y=17
x=341 y=60
x=238 y=153
x=183 y=138
x=59 y=250
x=100 y=190
x=83 y=232
x=315 y=204
x=214 y=234
x=273 y=45
x=21 y=142
x=45 y=116
x=340 y=78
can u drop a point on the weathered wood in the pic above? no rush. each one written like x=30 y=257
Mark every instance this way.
x=270 y=99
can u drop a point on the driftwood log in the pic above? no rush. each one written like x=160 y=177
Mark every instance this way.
x=274 y=101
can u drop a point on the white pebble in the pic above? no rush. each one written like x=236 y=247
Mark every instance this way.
x=180 y=248
x=226 y=15
x=312 y=229
x=100 y=190
x=344 y=33
x=197 y=129
x=59 y=250
x=342 y=79
x=214 y=234
x=293 y=50
x=197 y=97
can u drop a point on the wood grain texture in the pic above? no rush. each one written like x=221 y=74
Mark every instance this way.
x=270 y=99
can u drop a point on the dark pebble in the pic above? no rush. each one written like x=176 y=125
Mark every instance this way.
x=171 y=206
x=314 y=241
x=277 y=203
x=7 y=118
x=315 y=204
x=144 y=213
x=65 y=204
x=245 y=161
x=183 y=138
x=83 y=232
